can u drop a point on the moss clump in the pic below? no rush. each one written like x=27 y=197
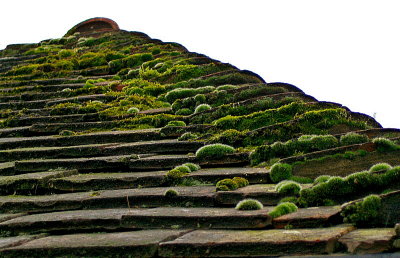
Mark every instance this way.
x=304 y=144
x=364 y=213
x=241 y=181
x=171 y=193
x=280 y=171
x=214 y=151
x=183 y=168
x=385 y=145
x=380 y=167
x=187 y=136
x=288 y=188
x=66 y=133
x=249 y=204
x=193 y=167
x=176 y=123
x=353 y=138
x=183 y=112
x=321 y=179
x=283 y=209
x=291 y=199
x=226 y=185
x=181 y=93
x=133 y=110
x=175 y=174
x=231 y=137
x=201 y=108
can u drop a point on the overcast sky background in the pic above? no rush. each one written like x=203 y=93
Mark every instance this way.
x=345 y=51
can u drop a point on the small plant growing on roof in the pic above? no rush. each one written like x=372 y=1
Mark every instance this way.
x=380 y=167
x=288 y=188
x=249 y=204
x=183 y=168
x=353 y=138
x=183 y=112
x=175 y=174
x=133 y=110
x=321 y=179
x=187 y=136
x=176 y=123
x=384 y=145
x=193 y=167
x=363 y=213
x=283 y=209
x=171 y=193
x=241 y=181
x=214 y=151
x=292 y=199
x=280 y=171
x=226 y=185
x=201 y=108
x=66 y=133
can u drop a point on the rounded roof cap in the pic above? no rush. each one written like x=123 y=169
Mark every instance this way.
x=93 y=25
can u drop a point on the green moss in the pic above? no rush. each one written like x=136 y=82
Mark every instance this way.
x=364 y=213
x=240 y=181
x=193 y=167
x=249 y=204
x=230 y=137
x=133 y=110
x=288 y=188
x=171 y=193
x=380 y=167
x=385 y=145
x=283 y=209
x=201 y=108
x=322 y=179
x=175 y=174
x=176 y=123
x=280 y=171
x=226 y=185
x=184 y=112
x=214 y=151
x=353 y=138
x=187 y=136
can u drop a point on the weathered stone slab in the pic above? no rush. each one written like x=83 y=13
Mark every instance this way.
x=73 y=118
x=4 y=217
x=126 y=244
x=104 y=181
x=170 y=217
x=368 y=241
x=91 y=138
x=53 y=152
x=32 y=182
x=80 y=99
x=15 y=241
x=14 y=132
x=169 y=161
x=195 y=196
x=95 y=163
x=265 y=193
x=105 y=149
x=275 y=242
x=310 y=217
x=7 y=168
x=160 y=162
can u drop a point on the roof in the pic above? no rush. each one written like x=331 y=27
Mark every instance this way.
x=114 y=143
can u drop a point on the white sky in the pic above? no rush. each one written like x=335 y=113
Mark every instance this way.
x=345 y=51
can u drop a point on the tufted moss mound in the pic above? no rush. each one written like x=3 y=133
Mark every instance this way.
x=214 y=151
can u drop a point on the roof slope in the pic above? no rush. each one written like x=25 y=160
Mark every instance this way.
x=114 y=143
